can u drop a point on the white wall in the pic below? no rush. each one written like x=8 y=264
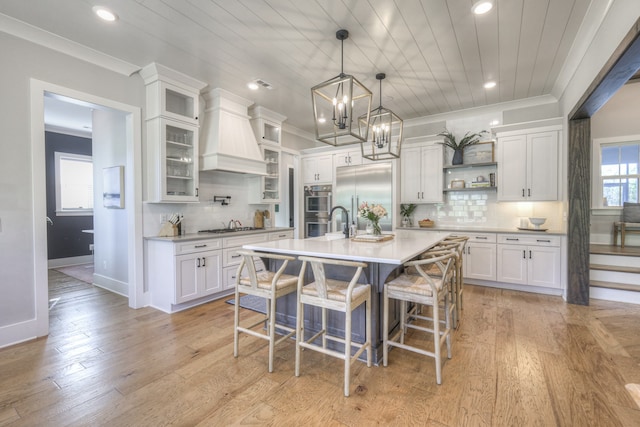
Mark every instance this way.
x=23 y=60
x=110 y=225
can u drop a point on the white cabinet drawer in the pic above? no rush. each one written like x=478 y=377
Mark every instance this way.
x=230 y=242
x=279 y=235
x=197 y=246
x=231 y=256
x=520 y=239
x=476 y=237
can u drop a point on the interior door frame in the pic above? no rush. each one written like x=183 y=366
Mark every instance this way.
x=133 y=174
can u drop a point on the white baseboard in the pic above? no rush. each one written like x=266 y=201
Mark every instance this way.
x=66 y=262
x=17 y=333
x=113 y=285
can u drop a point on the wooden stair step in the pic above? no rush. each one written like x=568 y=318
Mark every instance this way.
x=618 y=268
x=613 y=285
x=598 y=249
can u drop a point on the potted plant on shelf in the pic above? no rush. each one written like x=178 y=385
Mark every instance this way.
x=459 y=146
x=406 y=210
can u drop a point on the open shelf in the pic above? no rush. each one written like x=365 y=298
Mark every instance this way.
x=469 y=165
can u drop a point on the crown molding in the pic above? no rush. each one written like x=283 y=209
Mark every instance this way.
x=52 y=41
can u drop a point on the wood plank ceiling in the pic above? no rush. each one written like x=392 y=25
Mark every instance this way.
x=437 y=55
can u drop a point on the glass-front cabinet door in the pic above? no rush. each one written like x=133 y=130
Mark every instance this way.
x=266 y=189
x=176 y=177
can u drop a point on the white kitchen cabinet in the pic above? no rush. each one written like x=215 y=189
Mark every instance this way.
x=528 y=166
x=198 y=275
x=172 y=161
x=349 y=158
x=421 y=174
x=183 y=273
x=317 y=169
x=266 y=189
x=529 y=260
x=480 y=256
x=171 y=101
x=267 y=125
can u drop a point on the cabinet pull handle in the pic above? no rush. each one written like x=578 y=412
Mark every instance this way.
x=203 y=260
x=481 y=237
x=418 y=195
x=197 y=262
x=529 y=254
x=236 y=256
x=523 y=192
x=511 y=239
x=529 y=192
x=543 y=241
x=282 y=235
x=469 y=250
x=422 y=195
x=196 y=191
x=200 y=246
x=524 y=254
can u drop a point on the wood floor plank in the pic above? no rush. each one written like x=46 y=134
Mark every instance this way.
x=518 y=359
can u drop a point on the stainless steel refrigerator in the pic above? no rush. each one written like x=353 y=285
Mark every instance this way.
x=364 y=183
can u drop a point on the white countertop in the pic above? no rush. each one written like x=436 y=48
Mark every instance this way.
x=201 y=236
x=404 y=246
x=483 y=229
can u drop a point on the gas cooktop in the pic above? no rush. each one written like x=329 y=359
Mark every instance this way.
x=229 y=230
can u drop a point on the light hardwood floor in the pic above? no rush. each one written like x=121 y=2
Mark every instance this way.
x=519 y=359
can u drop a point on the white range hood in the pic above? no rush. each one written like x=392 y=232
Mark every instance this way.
x=227 y=141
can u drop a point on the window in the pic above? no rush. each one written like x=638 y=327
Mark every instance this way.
x=617 y=175
x=74 y=184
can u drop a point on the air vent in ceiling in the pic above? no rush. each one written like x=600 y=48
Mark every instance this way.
x=264 y=84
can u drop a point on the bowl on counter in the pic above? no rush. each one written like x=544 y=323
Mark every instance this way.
x=426 y=223
x=537 y=222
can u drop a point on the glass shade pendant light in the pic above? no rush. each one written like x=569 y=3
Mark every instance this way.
x=336 y=102
x=385 y=131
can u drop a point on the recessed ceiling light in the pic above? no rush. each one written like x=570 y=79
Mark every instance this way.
x=494 y=122
x=489 y=85
x=253 y=85
x=105 y=14
x=481 y=7
x=321 y=120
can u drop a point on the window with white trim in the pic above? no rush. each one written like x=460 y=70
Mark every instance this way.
x=74 y=184
x=616 y=169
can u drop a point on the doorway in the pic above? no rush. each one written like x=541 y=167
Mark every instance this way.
x=105 y=113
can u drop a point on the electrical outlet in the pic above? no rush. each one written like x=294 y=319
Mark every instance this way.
x=163 y=218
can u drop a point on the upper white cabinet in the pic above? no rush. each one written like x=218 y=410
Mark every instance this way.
x=421 y=173
x=317 y=169
x=528 y=164
x=167 y=100
x=266 y=189
x=172 y=156
x=171 y=145
x=349 y=158
x=267 y=125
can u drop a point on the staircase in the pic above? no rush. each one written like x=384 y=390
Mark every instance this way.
x=615 y=273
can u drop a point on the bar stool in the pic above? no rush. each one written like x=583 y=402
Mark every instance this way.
x=268 y=285
x=460 y=242
x=335 y=295
x=425 y=289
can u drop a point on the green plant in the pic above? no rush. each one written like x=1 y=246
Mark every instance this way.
x=468 y=139
x=407 y=210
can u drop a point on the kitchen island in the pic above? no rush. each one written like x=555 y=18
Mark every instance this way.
x=384 y=260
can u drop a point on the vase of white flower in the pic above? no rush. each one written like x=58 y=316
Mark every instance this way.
x=372 y=213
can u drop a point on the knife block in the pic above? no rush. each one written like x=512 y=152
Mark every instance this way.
x=168 y=230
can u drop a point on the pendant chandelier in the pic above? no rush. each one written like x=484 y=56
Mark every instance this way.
x=336 y=102
x=385 y=131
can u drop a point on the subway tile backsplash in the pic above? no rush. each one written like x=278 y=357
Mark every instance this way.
x=481 y=209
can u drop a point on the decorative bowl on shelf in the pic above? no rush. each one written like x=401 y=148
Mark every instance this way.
x=537 y=222
x=426 y=223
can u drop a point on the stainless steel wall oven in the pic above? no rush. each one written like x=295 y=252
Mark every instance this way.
x=317 y=204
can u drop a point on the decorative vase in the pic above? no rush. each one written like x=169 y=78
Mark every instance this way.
x=405 y=221
x=373 y=227
x=457 y=157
